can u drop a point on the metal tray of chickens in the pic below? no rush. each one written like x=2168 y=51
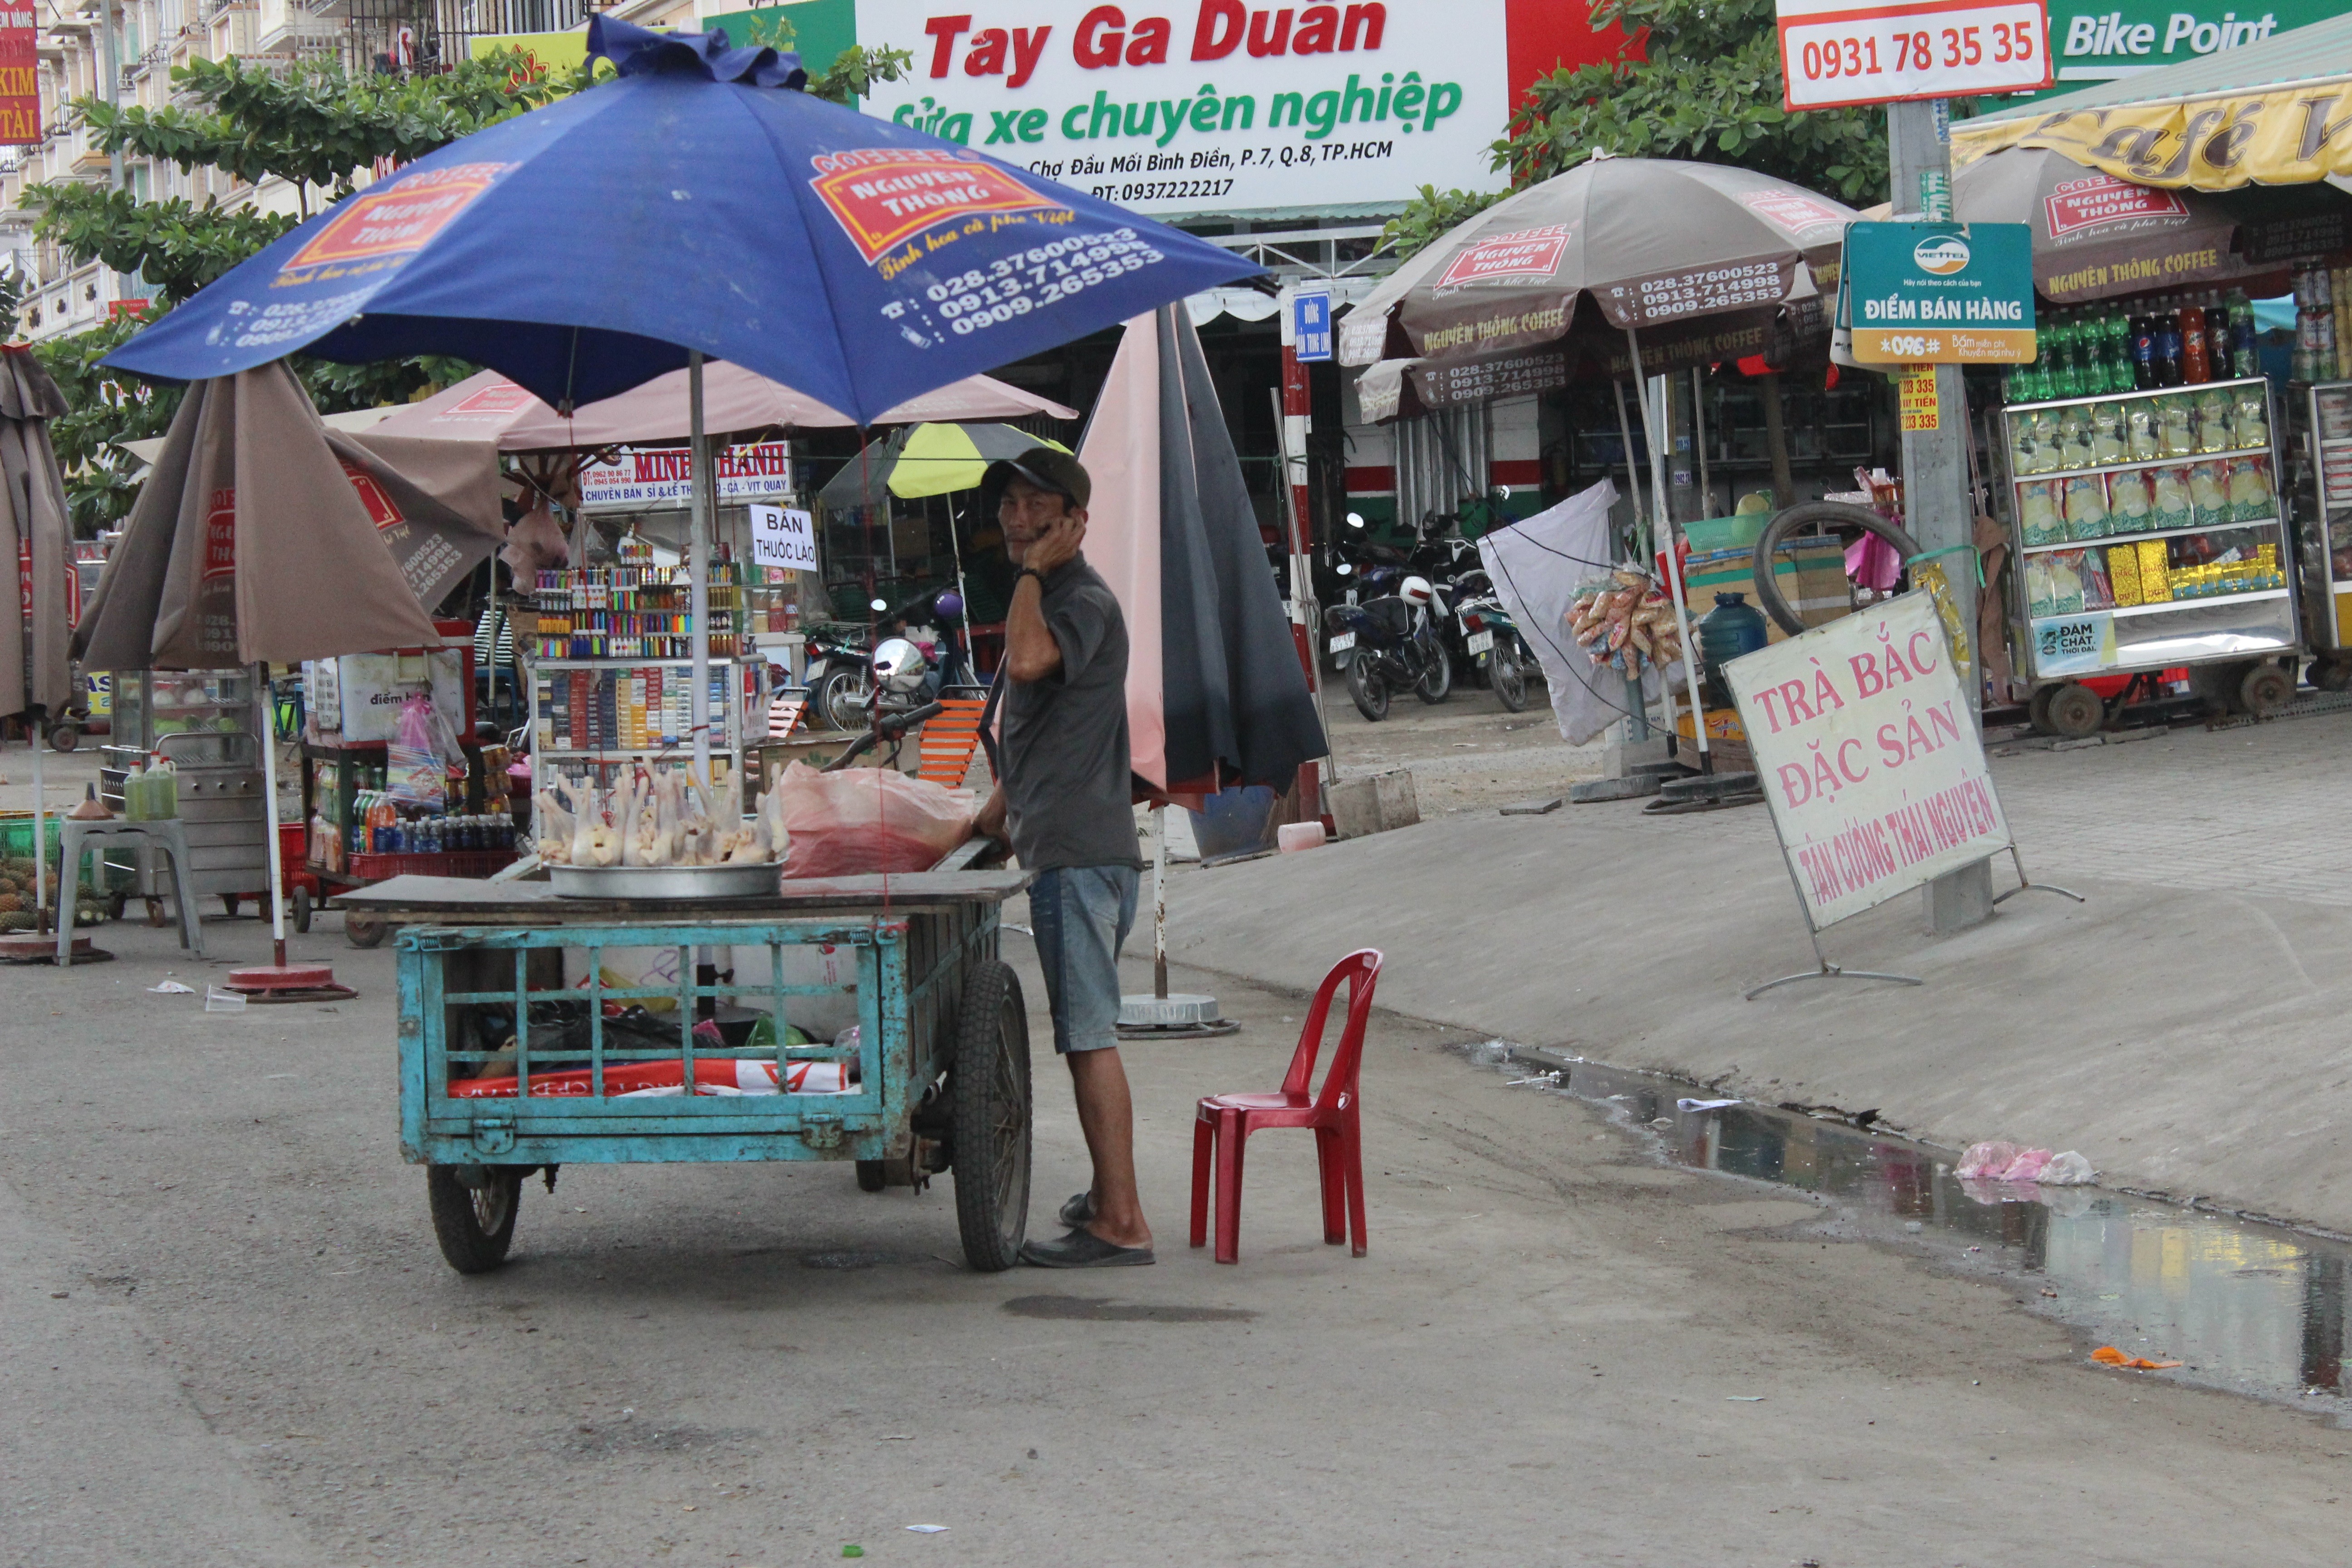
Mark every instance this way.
x=737 y=881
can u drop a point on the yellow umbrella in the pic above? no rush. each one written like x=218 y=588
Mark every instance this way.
x=931 y=459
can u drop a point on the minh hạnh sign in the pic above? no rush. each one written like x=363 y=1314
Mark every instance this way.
x=1869 y=756
x=1939 y=293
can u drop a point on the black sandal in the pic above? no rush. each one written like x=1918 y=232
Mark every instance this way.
x=1078 y=1211
x=1084 y=1249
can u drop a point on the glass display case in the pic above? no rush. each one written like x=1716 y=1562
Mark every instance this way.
x=2149 y=530
x=592 y=717
x=209 y=724
x=2322 y=489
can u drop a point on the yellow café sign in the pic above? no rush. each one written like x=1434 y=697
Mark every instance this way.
x=2284 y=136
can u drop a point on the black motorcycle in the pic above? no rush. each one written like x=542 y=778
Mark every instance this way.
x=1393 y=647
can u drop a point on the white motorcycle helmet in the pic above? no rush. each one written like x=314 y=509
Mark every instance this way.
x=899 y=665
x=1416 y=592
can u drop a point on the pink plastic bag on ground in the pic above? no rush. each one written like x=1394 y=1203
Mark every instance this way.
x=864 y=820
x=1986 y=1160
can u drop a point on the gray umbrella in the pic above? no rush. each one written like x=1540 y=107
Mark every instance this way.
x=35 y=665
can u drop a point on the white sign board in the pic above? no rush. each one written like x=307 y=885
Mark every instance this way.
x=1869 y=756
x=782 y=536
x=642 y=477
x=1834 y=53
x=1209 y=105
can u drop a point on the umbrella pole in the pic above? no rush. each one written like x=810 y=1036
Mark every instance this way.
x=1159 y=900
x=1637 y=711
x=270 y=812
x=963 y=620
x=40 y=819
x=1650 y=419
x=698 y=564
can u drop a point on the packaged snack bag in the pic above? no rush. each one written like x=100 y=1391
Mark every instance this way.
x=2249 y=490
x=2075 y=438
x=2045 y=442
x=2155 y=572
x=2141 y=442
x=2098 y=592
x=2250 y=424
x=2175 y=426
x=2123 y=574
x=2086 y=507
x=2170 y=487
x=2215 y=422
x=2107 y=433
x=2037 y=513
x=2038 y=602
x=2024 y=455
x=2209 y=494
x=2130 y=505
x=2065 y=582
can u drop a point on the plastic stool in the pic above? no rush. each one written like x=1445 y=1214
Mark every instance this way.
x=166 y=835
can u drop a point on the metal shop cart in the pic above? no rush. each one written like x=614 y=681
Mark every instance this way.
x=934 y=1078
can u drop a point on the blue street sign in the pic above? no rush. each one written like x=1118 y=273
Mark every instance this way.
x=1310 y=325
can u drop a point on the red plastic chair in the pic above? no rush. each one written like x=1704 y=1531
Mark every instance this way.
x=1224 y=1121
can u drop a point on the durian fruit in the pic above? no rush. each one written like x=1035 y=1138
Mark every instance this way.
x=21 y=919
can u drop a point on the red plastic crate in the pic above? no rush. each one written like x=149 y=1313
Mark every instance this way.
x=445 y=863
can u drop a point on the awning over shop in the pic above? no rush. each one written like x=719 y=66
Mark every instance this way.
x=2277 y=112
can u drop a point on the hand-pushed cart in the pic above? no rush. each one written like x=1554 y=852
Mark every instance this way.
x=538 y=1031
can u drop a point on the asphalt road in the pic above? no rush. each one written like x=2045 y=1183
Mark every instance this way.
x=226 y=1338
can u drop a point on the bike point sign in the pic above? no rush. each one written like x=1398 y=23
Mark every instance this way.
x=1869 y=757
x=1835 y=54
x=1939 y=293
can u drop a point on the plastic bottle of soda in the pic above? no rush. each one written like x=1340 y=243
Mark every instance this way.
x=2244 y=358
x=2168 y=342
x=2217 y=336
x=2194 y=365
x=2143 y=352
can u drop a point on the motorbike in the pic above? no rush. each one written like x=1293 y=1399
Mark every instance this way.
x=1394 y=644
x=841 y=666
x=1491 y=637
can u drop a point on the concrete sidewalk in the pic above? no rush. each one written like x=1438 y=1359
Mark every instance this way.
x=2186 y=1028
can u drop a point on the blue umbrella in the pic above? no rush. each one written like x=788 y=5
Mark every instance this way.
x=693 y=204
x=696 y=206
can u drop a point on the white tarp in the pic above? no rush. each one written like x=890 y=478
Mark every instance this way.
x=1537 y=565
x=1870 y=758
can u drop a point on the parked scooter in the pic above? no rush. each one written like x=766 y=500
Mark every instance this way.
x=1492 y=638
x=1394 y=644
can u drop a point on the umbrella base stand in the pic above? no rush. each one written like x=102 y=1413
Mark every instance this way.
x=1177 y=1017
x=29 y=947
x=289 y=983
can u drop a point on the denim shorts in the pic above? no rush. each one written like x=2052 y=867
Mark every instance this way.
x=1081 y=915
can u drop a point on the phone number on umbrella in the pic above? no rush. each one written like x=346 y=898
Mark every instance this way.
x=1013 y=286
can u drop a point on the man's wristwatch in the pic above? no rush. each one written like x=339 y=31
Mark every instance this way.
x=1031 y=571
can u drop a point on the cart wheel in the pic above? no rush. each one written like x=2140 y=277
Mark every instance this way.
x=989 y=1093
x=64 y=738
x=2331 y=674
x=474 y=1226
x=2075 y=710
x=302 y=910
x=155 y=911
x=365 y=931
x=2265 y=689
x=2037 y=709
x=870 y=1177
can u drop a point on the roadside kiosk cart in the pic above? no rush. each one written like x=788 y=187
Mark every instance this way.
x=2320 y=464
x=934 y=1076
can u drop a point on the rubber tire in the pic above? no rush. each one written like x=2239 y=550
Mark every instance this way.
x=870 y=1178
x=1509 y=681
x=2217 y=686
x=64 y=738
x=2266 y=689
x=471 y=1246
x=302 y=910
x=2075 y=712
x=2331 y=674
x=1442 y=670
x=2037 y=711
x=1797 y=519
x=1370 y=694
x=839 y=696
x=988 y=1090
x=366 y=931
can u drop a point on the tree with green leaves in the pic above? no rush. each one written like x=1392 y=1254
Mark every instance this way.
x=316 y=126
x=1710 y=91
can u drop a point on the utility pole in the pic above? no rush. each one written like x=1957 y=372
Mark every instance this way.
x=1938 y=505
x=1295 y=422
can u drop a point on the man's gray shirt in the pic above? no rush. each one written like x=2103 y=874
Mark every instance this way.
x=1066 y=793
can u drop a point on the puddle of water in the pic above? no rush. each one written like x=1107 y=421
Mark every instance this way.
x=2255 y=1309
x=1103 y=1309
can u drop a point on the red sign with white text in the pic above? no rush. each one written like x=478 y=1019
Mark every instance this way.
x=20 y=87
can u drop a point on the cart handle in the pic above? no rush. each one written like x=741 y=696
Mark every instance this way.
x=889 y=728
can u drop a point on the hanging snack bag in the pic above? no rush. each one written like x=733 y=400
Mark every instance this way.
x=2024 y=456
x=2251 y=499
x=2176 y=426
x=2065 y=582
x=2155 y=572
x=2086 y=507
x=2038 y=602
x=2130 y=506
x=2037 y=508
x=2209 y=494
x=2122 y=574
x=2075 y=438
x=2216 y=429
x=2107 y=433
x=2170 y=492
x=2251 y=428
x=2140 y=440
x=2045 y=442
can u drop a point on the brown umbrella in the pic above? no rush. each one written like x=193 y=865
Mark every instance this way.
x=35 y=667
x=251 y=544
x=2098 y=237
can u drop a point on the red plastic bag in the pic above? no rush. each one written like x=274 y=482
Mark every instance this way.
x=864 y=820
